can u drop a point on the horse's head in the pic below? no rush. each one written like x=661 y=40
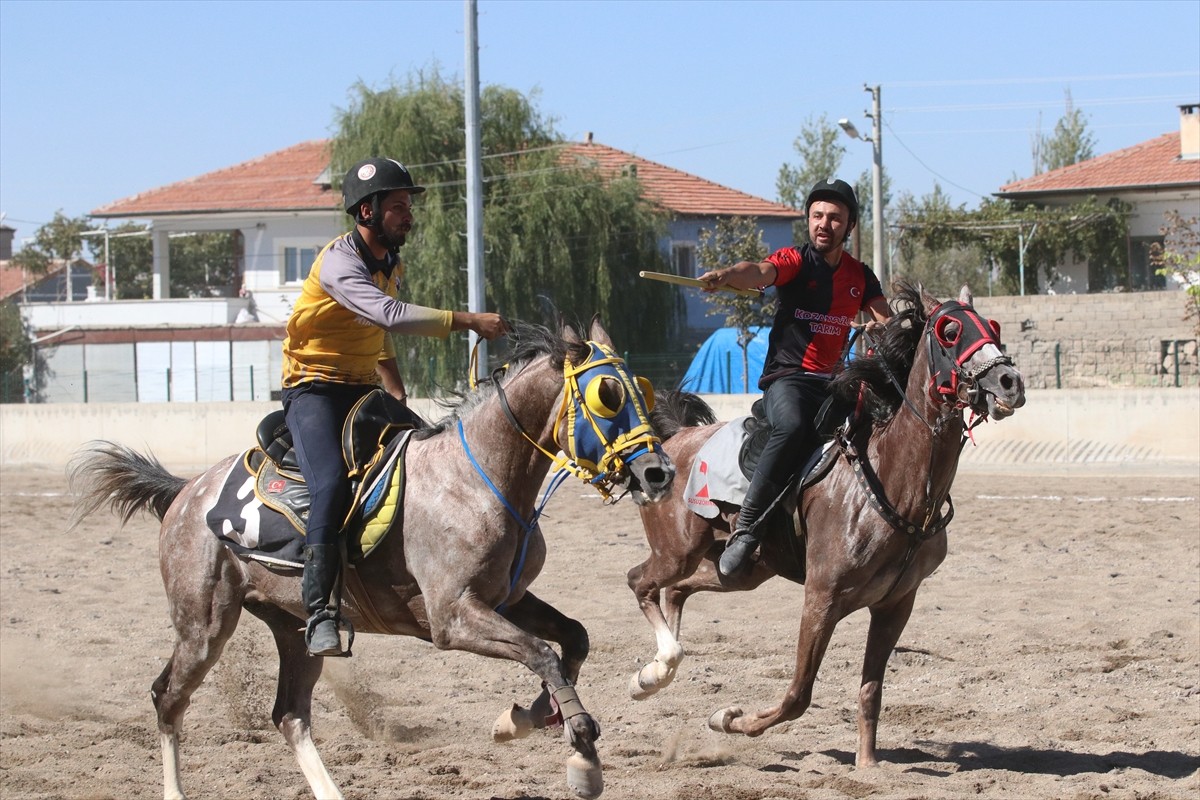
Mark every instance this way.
x=968 y=368
x=605 y=423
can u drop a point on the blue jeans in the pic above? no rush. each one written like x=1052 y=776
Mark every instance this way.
x=315 y=414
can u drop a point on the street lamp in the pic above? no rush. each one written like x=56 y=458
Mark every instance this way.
x=876 y=177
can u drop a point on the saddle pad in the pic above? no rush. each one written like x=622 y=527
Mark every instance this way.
x=247 y=527
x=250 y=517
x=715 y=473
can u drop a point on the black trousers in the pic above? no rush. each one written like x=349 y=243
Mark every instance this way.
x=315 y=414
x=791 y=404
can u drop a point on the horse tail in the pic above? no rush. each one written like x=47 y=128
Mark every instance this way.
x=127 y=481
x=675 y=409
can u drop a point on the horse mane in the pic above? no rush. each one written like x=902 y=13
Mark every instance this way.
x=893 y=350
x=526 y=342
x=675 y=409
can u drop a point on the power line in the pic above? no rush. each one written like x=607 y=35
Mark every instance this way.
x=1017 y=81
x=934 y=172
x=1028 y=129
x=1109 y=101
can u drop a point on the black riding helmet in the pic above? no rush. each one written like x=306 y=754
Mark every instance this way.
x=370 y=179
x=838 y=191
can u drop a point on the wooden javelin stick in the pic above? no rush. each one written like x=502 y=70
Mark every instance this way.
x=679 y=280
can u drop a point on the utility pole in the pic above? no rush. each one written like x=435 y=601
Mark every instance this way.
x=881 y=267
x=476 y=294
x=877 y=186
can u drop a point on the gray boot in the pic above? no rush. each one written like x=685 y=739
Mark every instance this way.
x=322 y=569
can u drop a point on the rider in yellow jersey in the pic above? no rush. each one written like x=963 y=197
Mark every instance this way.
x=337 y=350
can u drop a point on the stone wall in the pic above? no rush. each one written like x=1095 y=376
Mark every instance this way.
x=1098 y=340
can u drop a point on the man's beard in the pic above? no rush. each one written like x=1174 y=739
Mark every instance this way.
x=830 y=245
x=392 y=242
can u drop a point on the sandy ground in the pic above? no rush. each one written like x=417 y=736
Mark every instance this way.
x=1055 y=654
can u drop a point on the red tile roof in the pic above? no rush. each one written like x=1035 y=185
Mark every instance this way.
x=1152 y=164
x=281 y=181
x=13 y=278
x=679 y=191
x=284 y=181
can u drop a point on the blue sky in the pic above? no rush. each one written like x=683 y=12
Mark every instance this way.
x=101 y=100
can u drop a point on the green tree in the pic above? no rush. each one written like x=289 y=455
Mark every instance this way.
x=820 y=158
x=1178 y=258
x=131 y=254
x=1070 y=143
x=559 y=236
x=736 y=239
x=17 y=355
x=1090 y=230
x=206 y=264
x=864 y=232
x=55 y=243
x=941 y=267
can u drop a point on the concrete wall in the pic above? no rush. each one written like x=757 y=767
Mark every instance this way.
x=1115 y=427
x=1099 y=340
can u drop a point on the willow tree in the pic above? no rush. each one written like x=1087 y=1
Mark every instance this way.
x=560 y=238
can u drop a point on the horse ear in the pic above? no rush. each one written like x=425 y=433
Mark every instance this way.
x=965 y=297
x=569 y=334
x=927 y=300
x=597 y=332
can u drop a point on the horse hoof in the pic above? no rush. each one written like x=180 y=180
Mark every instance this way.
x=649 y=679
x=584 y=777
x=514 y=723
x=638 y=690
x=721 y=720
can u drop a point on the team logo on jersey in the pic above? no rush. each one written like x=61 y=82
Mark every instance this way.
x=855 y=291
x=366 y=172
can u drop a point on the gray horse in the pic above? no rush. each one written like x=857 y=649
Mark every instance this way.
x=457 y=570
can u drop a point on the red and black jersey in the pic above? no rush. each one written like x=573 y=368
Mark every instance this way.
x=817 y=306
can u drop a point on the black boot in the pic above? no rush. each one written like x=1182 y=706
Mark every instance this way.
x=744 y=540
x=737 y=553
x=322 y=568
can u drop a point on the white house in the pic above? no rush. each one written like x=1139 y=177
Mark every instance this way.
x=282 y=208
x=1154 y=177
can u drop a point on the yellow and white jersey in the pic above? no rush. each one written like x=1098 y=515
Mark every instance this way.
x=337 y=330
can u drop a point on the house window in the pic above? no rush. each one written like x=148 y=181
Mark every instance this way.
x=1142 y=273
x=683 y=259
x=297 y=261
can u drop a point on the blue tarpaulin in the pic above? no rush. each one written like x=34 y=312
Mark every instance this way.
x=717 y=367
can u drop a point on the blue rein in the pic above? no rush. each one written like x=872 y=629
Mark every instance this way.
x=529 y=526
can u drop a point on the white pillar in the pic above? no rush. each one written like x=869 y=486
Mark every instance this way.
x=162 y=265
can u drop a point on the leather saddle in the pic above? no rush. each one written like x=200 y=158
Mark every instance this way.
x=374 y=436
x=778 y=531
x=832 y=415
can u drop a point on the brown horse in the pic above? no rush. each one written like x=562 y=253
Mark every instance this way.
x=869 y=532
x=458 y=572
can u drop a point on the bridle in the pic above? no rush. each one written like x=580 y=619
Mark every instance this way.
x=602 y=439
x=954 y=332
x=950 y=348
x=598 y=434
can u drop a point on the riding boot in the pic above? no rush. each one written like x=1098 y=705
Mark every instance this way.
x=746 y=536
x=322 y=569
